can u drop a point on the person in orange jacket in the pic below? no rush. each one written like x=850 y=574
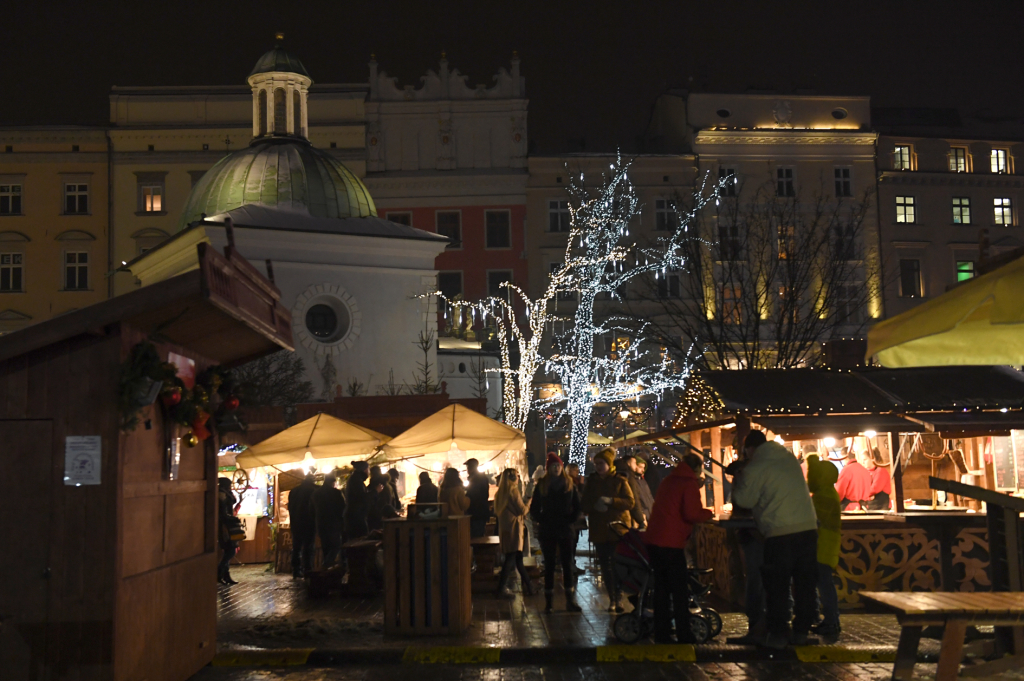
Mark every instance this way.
x=677 y=508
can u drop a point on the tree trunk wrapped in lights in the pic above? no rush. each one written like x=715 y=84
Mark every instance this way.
x=600 y=259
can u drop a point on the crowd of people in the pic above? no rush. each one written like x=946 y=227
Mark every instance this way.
x=790 y=554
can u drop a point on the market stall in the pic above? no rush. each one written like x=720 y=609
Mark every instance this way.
x=110 y=427
x=959 y=423
x=274 y=467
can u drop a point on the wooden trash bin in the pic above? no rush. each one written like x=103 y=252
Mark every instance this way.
x=427 y=589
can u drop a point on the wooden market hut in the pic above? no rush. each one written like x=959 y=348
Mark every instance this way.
x=968 y=420
x=114 y=576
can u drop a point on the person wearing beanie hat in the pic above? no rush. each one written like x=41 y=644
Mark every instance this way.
x=555 y=508
x=607 y=498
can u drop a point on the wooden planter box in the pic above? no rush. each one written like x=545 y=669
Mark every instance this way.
x=427 y=586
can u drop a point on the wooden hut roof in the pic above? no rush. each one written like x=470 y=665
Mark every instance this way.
x=226 y=311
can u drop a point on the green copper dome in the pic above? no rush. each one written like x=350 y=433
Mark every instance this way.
x=285 y=173
x=279 y=60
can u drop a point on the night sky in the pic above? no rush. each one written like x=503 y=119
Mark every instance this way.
x=592 y=69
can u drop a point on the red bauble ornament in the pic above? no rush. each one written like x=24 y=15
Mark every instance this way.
x=171 y=397
x=231 y=403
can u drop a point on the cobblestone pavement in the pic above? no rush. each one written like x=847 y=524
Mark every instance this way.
x=759 y=671
x=268 y=610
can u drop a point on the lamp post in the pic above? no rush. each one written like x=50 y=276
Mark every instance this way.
x=624 y=414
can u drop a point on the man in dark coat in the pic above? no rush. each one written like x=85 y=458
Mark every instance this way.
x=644 y=497
x=357 y=502
x=479 y=492
x=303 y=526
x=626 y=468
x=329 y=506
x=393 y=482
x=379 y=507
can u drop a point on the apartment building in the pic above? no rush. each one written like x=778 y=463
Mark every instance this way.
x=942 y=181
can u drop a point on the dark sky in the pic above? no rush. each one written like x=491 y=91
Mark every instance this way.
x=593 y=68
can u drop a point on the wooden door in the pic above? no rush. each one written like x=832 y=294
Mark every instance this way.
x=26 y=465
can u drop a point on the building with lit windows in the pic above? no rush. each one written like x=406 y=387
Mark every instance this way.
x=942 y=180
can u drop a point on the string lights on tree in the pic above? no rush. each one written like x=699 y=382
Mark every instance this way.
x=600 y=259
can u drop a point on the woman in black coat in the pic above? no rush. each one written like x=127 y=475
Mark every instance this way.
x=555 y=508
x=426 y=493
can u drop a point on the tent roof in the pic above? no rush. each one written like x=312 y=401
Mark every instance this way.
x=323 y=436
x=455 y=424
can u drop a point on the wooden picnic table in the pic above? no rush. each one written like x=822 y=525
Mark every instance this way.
x=954 y=611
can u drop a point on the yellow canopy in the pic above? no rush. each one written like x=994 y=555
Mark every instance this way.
x=635 y=433
x=980 y=322
x=457 y=426
x=323 y=436
x=596 y=439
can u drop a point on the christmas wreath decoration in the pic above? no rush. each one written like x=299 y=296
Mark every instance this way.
x=212 y=396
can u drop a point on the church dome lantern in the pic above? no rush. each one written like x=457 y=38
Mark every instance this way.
x=280 y=88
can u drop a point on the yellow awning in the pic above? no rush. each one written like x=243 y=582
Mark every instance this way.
x=323 y=436
x=457 y=426
x=980 y=322
x=597 y=439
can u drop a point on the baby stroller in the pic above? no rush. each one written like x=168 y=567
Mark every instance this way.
x=636 y=579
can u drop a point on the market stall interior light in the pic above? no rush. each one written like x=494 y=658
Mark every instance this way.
x=830 y=442
x=870 y=433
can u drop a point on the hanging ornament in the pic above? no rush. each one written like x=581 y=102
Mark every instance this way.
x=232 y=403
x=171 y=397
x=190 y=439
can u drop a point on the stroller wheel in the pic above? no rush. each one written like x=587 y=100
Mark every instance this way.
x=700 y=628
x=714 y=621
x=628 y=628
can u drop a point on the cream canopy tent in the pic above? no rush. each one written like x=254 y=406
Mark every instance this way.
x=323 y=436
x=979 y=322
x=597 y=439
x=455 y=428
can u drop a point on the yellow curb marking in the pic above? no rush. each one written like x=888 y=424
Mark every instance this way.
x=841 y=654
x=647 y=653
x=286 y=657
x=451 y=655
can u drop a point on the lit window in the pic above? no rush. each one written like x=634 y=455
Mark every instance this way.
x=958 y=159
x=449 y=284
x=665 y=218
x=152 y=198
x=964 y=270
x=905 y=209
x=76 y=271
x=902 y=157
x=787 y=241
x=10 y=272
x=401 y=217
x=668 y=285
x=76 y=198
x=844 y=186
x=999 y=161
x=10 y=199
x=558 y=216
x=910 y=278
x=449 y=224
x=499 y=229
x=562 y=295
x=731 y=311
x=961 y=210
x=731 y=181
x=784 y=184
x=1003 y=209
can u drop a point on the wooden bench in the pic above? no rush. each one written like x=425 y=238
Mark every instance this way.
x=954 y=611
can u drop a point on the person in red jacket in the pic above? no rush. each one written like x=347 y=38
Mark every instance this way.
x=677 y=508
x=854 y=484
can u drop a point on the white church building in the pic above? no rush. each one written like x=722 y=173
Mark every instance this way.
x=351 y=279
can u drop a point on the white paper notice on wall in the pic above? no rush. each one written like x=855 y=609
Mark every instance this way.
x=83 y=459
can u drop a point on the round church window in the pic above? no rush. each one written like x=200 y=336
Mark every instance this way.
x=321 y=321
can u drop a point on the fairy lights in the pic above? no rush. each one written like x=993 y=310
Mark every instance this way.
x=603 y=263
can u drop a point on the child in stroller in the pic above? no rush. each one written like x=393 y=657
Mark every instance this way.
x=636 y=578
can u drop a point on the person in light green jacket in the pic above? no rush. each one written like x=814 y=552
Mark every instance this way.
x=821 y=481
